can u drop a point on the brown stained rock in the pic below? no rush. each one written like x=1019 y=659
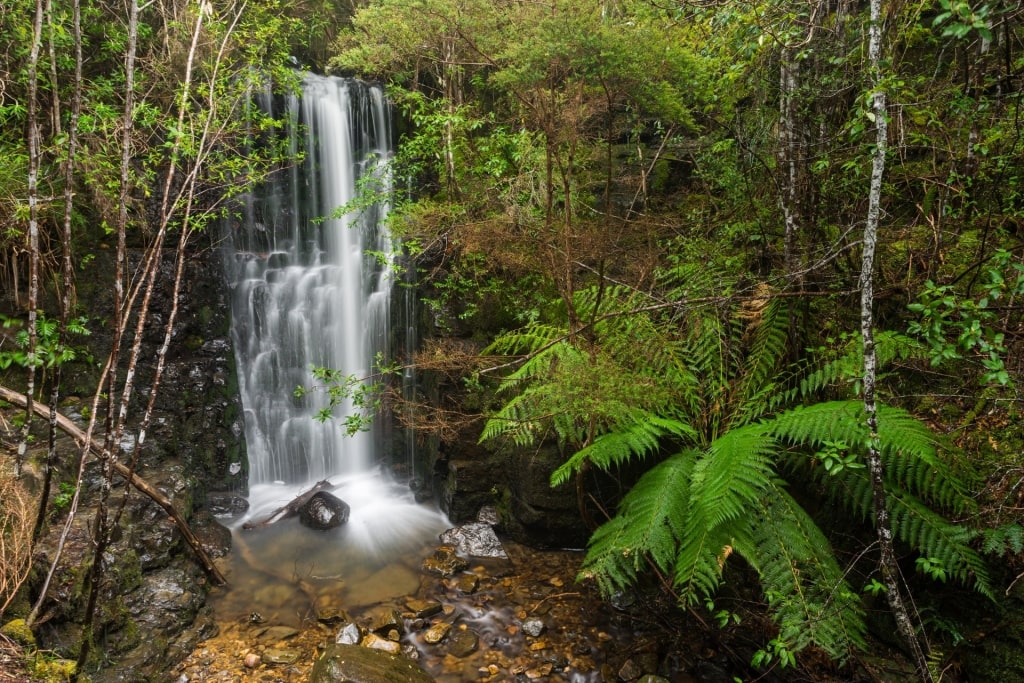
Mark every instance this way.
x=375 y=642
x=445 y=562
x=281 y=656
x=353 y=664
x=436 y=633
x=463 y=643
x=423 y=608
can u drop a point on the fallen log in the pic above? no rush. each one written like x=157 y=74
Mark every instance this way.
x=140 y=484
x=293 y=507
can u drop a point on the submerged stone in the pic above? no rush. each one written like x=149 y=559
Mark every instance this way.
x=445 y=562
x=353 y=664
x=281 y=656
x=463 y=643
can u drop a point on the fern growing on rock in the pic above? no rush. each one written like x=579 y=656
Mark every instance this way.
x=702 y=394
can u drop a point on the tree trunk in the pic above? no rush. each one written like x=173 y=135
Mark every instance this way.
x=34 y=164
x=67 y=268
x=887 y=559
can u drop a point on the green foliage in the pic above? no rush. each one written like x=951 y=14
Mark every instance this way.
x=956 y=326
x=360 y=398
x=709 y=387
x=958 y=19
x=48 y=351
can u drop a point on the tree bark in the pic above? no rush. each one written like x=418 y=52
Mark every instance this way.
x=67 y=268
x=887 y=562
x=34 y=164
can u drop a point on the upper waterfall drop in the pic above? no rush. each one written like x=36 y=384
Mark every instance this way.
x=309 y=286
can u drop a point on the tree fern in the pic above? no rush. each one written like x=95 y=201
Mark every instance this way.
x=909 y=449
x=639 y=438
x=808 y=595
x=711 y=386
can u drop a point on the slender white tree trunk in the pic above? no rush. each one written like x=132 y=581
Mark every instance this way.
x=887 y=561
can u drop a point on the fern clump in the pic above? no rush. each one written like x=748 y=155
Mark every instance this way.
x=706 y=398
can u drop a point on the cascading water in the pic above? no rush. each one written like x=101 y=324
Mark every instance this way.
x=311 y=286
x=308 y=289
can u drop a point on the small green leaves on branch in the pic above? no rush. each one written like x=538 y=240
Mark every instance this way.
x=837 y=456
x=956 y=326
x=359 y=395
x=48 y=350
x=959 y=19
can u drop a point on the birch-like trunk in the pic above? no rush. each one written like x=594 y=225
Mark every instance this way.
x=888 y=566
x=100 y=534
x=67 y=268
x=34 y=164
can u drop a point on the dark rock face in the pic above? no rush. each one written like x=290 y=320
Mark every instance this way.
x=518 y=483
x=152 y=605
x=354 y=664
x=324 y=511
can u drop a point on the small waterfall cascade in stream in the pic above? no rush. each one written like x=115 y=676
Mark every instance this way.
x=311 y=286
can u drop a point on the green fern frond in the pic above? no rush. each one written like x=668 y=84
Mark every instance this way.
x=935 y=537
x=808 y=596
x=514 y=421
x=641 y=437
x=768 y=332
x=726 y=483
x=701 y=558
x=606 y=562
x=847 y=368
x=1003 y=540
x=910 y=451
x=731 y=476
x=653 y=513
x=525 y=341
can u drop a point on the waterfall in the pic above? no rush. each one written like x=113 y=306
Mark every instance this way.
x=311 y=287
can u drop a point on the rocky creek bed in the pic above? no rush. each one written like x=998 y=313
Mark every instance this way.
x=521 y=619
x=525 y=618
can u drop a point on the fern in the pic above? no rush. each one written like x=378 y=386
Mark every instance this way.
x=755 y=393
x=909 y=449
x=845 y=370
x=808 y=596
x=710 y=385
x=726 y=482
x=648 y=524
x=640 y=438
x=936 y=538
x=1003 y=540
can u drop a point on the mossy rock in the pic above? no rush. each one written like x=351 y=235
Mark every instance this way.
x=45 y=667
x=18 y=631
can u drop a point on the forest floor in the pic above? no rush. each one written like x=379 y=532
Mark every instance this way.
x=13 y=668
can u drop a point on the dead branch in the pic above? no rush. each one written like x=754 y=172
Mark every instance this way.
x=292 y=508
